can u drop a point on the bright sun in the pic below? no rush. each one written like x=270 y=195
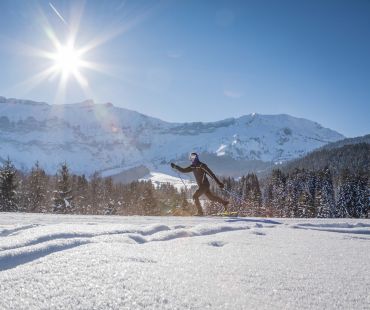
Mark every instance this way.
x=67 y=60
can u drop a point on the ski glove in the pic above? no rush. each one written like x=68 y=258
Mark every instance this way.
x=173 y=166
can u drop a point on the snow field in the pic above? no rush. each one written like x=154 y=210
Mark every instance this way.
x=158 y=178
x=102 y=262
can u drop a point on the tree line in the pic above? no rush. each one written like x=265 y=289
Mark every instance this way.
x=300 y=193
x=67 y=193
x=296 y=193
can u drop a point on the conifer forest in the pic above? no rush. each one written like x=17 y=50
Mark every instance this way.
x=297 y=193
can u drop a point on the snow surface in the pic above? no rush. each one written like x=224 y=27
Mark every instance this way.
x=158 y=178
x=111 y=262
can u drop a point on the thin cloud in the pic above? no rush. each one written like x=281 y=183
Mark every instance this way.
x=233 y=94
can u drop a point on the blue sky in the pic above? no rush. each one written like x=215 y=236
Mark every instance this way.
x=200 y=60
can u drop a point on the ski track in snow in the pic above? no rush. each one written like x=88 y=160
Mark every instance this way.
x=12 y=231
x=148 y=247
x=13 y=258
x=27 y=243
x=44 y=240
x=341 y=227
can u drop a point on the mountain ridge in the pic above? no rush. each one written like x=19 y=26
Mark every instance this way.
x=92 y=136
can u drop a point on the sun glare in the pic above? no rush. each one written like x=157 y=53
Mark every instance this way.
x=67 y=60
x=70 y=61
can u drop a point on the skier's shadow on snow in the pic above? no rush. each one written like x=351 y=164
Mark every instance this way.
x=265 y=221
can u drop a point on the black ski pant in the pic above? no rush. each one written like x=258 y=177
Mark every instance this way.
x=211 y=196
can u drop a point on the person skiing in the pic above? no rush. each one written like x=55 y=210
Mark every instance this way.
x=200 y=171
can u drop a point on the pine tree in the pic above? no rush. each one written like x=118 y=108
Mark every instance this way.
x=109 y=204
x=300 y=193
x=148 y=201
x=346 y=203
x=95 y=194
x=257 y=197
x=62 y=194
x=362 y=197
x=303 y=194
x=353 y=197
x=267 y=199
x=8 y=186
x=123 y=204
x=183 y=199
x=303 y=204
x=252 y=195
x=236 y=190
x=22 y=193
x=36 y=189
x=324 y=194
x=292 y=191
x=278 y=193
x=80 y=193
x=310 y=189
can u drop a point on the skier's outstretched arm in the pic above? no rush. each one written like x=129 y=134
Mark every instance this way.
x=183 y=170
x=212 y=175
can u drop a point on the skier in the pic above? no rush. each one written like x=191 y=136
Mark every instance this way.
x=200 y=171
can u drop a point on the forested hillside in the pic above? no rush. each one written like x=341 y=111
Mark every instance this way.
x=354 y=157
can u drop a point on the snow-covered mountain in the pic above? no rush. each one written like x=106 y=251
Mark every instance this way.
x=101 y=137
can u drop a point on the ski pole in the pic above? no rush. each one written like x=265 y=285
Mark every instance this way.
x=180 y=178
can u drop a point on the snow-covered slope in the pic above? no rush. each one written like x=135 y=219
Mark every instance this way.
x=96 y=137
x=108 y=262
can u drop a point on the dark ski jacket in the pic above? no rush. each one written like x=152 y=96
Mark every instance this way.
x=200 y=171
